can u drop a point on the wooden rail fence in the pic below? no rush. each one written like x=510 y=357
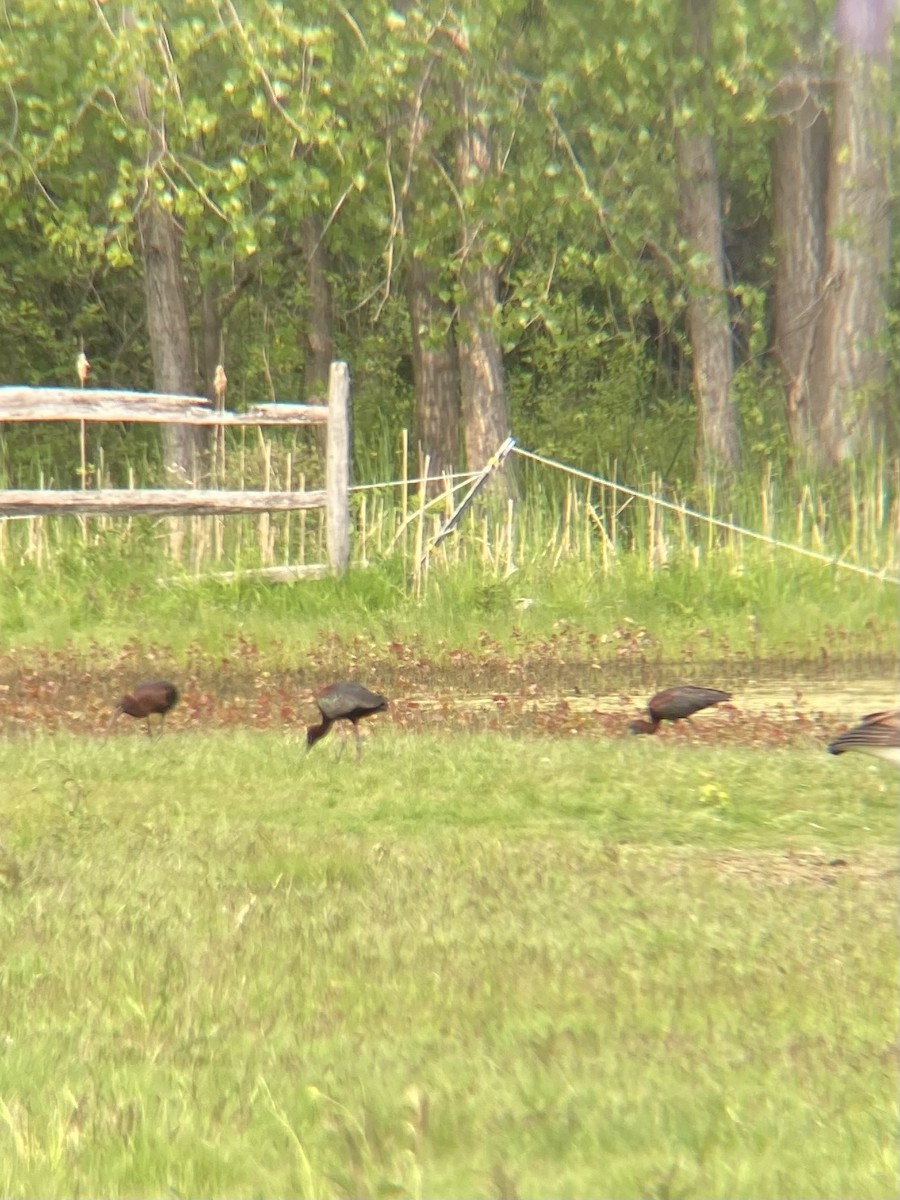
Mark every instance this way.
x=85 y=404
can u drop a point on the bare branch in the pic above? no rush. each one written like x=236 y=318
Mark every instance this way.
x=179 y=166
x=351 y=21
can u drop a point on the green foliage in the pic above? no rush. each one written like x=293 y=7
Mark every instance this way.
x=587 y=401
x=759 y=396
x=276 y=114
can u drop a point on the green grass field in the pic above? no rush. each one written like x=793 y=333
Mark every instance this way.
x=467 y=966
x=532 y=963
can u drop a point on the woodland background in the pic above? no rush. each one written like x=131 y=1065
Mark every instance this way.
x=647 y=238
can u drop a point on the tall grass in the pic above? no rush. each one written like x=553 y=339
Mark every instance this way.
x=568 y=549
x=114 y=591
x=559 y=518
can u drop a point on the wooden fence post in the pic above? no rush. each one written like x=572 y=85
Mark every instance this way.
x=337 y=469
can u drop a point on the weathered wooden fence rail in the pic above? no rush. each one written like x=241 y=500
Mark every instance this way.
x=71 y=404
x=150 y=502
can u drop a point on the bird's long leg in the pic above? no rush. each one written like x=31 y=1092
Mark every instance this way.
x=358 y=743
x=342 y=739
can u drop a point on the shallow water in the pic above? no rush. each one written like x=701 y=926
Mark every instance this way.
x=848 y=699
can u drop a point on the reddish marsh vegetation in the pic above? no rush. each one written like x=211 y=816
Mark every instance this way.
x=563 y=686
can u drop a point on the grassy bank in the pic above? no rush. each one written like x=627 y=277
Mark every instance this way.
x=468 y=966
x=767 y=607
x=639 y=570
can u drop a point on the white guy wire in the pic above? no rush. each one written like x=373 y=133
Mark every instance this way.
x=689 y=512
x=464 y=477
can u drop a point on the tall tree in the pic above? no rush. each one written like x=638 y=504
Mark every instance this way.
x=318 y=329
x=169 y=331
x=159 y=238
x=435 y=369
x=700 y=220
x=424 y=205
x=481 y=373
x=799 y=175
x=849 y=364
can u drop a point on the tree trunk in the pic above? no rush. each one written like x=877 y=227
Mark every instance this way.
x=168 y=329
x=709 y=329
x=317 y=338
x=848 y=375
x=435 y=361
x=435 y=371
x=799 y=173
x=212 y=352
x=481 y=374
x=169 y=332
x=318 y=334
x=482 y=387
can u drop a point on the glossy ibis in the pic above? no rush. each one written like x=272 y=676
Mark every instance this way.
x=344 y=702
x=675 y=704
x=156 y=696
x=878 y=733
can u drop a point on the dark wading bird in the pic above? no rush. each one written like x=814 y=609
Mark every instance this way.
x=344 y=702
x=878 y=733
x=157 y=696
x=675 y=704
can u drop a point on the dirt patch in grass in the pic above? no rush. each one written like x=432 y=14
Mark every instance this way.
x=553 y=687
x=878 y=868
